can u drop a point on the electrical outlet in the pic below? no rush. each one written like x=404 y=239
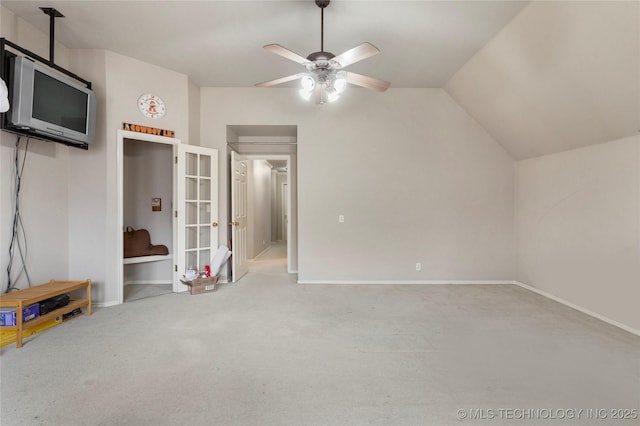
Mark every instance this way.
x=341 y=218
x=418 y=266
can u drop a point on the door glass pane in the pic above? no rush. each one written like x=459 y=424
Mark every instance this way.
x=205 y=213
x=205 y=258
x=191 y=237
x=205 y=189
x=191 y=161
x=191 y=188
x=205 y=165
x=205 y=236
x=191 y=213
x=191 y=259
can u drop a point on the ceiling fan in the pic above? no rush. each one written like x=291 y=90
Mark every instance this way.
x=325 y=77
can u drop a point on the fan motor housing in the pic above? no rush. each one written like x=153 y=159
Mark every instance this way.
x=321 y=56
x=322 y=3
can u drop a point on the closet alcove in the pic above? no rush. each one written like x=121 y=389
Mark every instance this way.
x=147 y=204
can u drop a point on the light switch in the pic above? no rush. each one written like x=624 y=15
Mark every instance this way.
x=341 y=218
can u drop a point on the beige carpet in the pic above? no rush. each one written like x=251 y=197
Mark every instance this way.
x=267 y=351
x=133 y=292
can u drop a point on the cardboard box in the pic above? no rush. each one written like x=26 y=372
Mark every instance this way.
x=202 y=285
x=8 y=315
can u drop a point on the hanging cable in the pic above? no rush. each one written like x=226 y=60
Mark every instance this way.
x=17 y=226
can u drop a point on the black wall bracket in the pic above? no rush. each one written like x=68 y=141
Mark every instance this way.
x=53 y=14
x=5 y=55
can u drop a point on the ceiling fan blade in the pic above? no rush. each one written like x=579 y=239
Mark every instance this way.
x=358 y=53
x=367 y=82
x=286 y=53
x=280 y=80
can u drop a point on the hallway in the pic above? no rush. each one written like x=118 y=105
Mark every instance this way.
x=272 y=260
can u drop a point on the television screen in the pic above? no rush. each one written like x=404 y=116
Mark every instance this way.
x=51 y=106
x=59 y=103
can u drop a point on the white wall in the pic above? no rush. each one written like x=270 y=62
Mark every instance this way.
x=44 y=185
x=293 y=219
x=87 y=196
x=194 y=115
x=43 y=206
x=260 y=213
x=277 y=233
x=578 y=227
x=416 y=178
x=274 y=206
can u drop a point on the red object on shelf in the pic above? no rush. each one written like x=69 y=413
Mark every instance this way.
x=207 y=270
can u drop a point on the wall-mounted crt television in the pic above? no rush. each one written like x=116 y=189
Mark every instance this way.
x=48 y=105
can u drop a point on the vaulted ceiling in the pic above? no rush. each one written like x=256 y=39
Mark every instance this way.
x=540 y=77
x=219 y=43
x=561 y=75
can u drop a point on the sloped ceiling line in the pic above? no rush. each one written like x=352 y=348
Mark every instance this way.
x=560 y=76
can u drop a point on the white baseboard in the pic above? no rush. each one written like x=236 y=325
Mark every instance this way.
x=386 y=282
x=103 y=304
x=136 y=282
x=579 y=308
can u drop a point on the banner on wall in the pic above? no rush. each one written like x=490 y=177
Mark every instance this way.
x=147 y=130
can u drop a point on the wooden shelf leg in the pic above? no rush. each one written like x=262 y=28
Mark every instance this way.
x=19 y=321
x=89 y=297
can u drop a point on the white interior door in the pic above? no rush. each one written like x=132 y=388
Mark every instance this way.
x=196 y=209
x=238 y=216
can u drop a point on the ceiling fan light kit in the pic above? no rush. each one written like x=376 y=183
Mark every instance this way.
x=325 y=80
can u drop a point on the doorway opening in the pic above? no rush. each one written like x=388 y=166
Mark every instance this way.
x=270 y=193
x=262 y=199
x=146 y=202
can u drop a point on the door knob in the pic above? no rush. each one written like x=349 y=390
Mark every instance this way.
x=214 y=224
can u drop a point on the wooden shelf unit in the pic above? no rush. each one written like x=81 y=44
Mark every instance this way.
x=28 y=296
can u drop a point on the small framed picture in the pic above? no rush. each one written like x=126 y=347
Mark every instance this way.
x=156 y=204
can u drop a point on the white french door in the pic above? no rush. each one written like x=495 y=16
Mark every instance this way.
x=196 y=209
x=238 y=221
